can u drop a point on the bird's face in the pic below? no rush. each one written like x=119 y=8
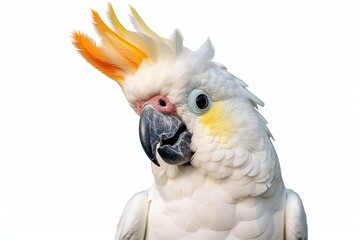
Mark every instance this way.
x=191 y=116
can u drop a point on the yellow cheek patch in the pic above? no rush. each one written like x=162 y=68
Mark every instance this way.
x=218 y=122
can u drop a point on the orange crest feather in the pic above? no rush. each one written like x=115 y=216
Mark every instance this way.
x=122 y=51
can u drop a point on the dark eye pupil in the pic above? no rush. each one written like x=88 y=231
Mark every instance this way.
x=202 y=101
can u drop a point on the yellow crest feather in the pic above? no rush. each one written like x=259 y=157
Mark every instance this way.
x=139 y=22
x=119 y=28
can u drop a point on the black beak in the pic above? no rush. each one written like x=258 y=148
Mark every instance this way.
x=165 y=134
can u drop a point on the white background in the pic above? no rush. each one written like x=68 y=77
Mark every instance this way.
x=70 y=157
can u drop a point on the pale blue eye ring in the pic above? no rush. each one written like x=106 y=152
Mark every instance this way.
x=199 y=101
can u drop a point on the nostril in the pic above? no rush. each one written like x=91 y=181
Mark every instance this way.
x=162 y=103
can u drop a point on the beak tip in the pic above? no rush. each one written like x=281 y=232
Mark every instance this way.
x=151 y=156
x=155 y=161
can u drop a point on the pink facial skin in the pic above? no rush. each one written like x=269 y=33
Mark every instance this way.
x=161 y=103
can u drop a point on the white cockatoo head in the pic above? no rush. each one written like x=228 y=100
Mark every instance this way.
x=193 y=113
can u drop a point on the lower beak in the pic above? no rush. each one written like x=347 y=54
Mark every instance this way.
x=166 y=135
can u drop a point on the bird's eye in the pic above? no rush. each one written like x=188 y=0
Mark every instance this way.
x=202 y=101
x=199 y=101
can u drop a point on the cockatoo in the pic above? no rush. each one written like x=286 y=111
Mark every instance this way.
x=216 y=172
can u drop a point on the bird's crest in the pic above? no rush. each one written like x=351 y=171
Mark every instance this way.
x=122 y=51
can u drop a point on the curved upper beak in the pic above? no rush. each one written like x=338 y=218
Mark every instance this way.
x=166 y=135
